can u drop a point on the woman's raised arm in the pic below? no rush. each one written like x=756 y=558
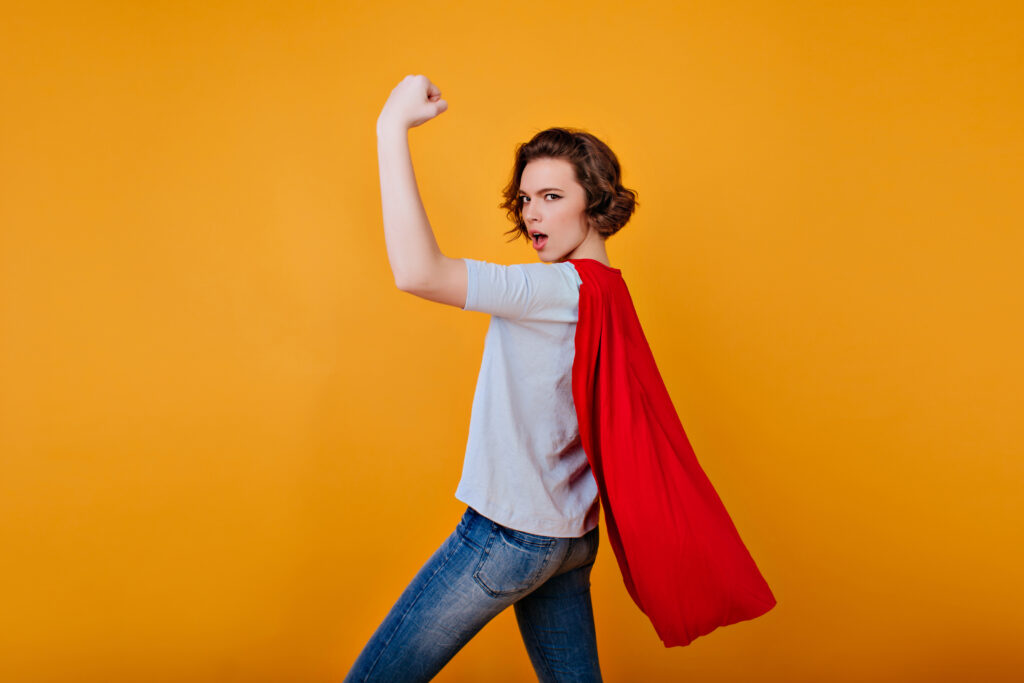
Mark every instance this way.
x=417 y=263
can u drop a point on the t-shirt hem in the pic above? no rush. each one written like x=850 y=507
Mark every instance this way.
x=560 y=529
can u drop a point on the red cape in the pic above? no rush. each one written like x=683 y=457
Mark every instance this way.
x=679 y=552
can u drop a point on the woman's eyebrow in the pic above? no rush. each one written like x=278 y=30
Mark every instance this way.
x=557 y=189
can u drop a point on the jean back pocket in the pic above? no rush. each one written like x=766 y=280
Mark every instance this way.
x=513 y=561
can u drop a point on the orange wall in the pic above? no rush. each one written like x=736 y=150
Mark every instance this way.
x=227 y=441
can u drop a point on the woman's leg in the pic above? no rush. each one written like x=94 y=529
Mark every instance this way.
x=479 y=570
x=556 y=620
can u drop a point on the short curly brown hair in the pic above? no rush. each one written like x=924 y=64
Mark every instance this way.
x=609 y=204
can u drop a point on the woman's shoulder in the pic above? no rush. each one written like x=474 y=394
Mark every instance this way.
x=561 y=271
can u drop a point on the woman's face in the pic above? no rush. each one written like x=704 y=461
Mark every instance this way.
x=552 y=204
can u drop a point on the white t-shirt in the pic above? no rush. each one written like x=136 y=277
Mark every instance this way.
x=525 y=467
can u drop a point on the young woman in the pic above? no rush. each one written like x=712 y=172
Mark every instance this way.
x=529 y=534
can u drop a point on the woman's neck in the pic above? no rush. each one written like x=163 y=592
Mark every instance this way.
x=592 y=247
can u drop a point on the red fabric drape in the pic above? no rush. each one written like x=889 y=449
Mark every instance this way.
x=679 y=553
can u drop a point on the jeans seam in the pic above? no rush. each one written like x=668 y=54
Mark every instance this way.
x=484 y=554
x=540 y=651
x=408 y=609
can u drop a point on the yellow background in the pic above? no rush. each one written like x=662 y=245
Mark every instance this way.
x=227 y=441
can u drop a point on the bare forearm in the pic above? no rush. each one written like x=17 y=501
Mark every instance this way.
x=411 y=245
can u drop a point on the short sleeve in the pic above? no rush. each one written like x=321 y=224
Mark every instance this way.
x=524 y=291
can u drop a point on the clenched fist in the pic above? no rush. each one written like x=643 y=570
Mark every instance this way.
x=414 y=101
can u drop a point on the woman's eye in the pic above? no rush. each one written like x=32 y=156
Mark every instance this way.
x=551 y=194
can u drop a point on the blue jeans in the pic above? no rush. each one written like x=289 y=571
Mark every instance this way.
x=479 y=570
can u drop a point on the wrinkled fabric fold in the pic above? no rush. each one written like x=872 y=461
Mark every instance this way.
x=679 y=552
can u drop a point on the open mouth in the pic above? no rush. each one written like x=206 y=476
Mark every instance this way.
x=539 y=239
